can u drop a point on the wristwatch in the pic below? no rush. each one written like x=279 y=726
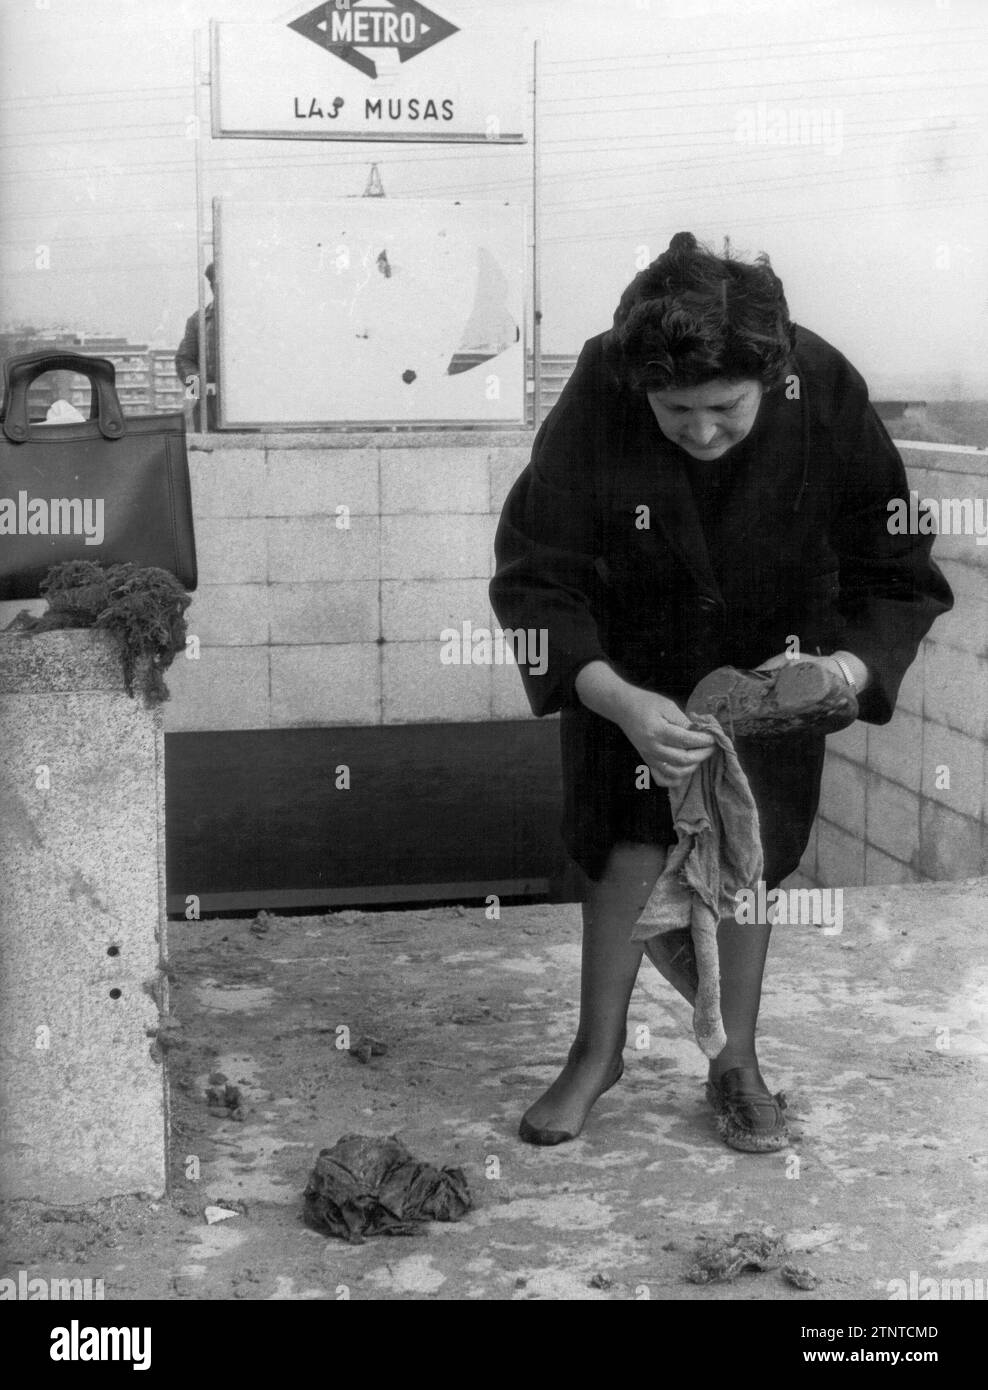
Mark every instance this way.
x=845 y=672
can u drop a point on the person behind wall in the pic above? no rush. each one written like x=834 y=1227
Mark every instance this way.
x=187 y=356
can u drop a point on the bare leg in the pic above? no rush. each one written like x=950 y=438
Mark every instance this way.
x=609 y=969
x=742 y=951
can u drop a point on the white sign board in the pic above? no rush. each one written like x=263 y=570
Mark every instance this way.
x=371 y=72
x=369 y=310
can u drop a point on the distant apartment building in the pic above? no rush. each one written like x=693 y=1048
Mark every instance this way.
x=147 y=384
x=167 y=392
x=131 y=365
x=557 y=368
x=145 y=376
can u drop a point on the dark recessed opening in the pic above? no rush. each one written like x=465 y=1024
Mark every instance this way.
x=115 y=993
x=113 y=950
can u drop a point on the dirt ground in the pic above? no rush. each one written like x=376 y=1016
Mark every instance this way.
x=879 y=1036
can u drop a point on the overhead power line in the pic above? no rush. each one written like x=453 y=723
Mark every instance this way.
x=825 y=175
x=815 y=48
x=859 y=209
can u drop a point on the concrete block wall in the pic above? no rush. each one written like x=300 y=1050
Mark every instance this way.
x=907 y=802
x=302 y=621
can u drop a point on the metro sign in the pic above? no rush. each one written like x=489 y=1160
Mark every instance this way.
x=406 y=26
x=266 y=84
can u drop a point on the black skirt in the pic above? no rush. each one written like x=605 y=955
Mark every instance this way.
x=605 y=801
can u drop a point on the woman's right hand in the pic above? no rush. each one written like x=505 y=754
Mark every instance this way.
x=661 y=732
x=652 y=723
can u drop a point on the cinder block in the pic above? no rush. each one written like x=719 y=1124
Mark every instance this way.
x=231 y=551
x=310 y=614
x=840 y=857
x=436 y=547
x=229 y=615
x=797 y=880
x=896 y=749
x=958 y=546
x=951 y=476
x=808 y=863
x=935 y=460
x=325 y=685
x=956 y=689
x=965 y=625
x=419 y=688
x=910 y=697
x=314 y=482
x=960 y=761
x=418 y=609
x=882 y=868
x=920 y=472
x=956 y=495
x=434 y=480
x=892 y=818
x=850 y=743
x=506 y=465
x=310 y=550
x=842 y=793
x=226 y=688
x=227 y=483
x=508 y=698
x=951 y=846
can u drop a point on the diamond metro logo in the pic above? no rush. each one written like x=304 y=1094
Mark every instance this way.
x=406 y=26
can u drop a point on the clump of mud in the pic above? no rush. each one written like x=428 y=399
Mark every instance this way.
x=366 y=1186
x=722 y=1259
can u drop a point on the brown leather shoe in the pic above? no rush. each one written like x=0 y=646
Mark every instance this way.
x=748 y=1117
x=771 y=704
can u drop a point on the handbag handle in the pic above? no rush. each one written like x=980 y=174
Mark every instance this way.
x=20 y=371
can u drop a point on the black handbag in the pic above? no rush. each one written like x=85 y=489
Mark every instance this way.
x=109 y=488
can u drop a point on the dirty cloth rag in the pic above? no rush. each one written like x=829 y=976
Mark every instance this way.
x=366 y=1186
x=718 y=851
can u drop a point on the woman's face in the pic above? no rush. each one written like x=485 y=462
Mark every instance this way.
x=707 y=420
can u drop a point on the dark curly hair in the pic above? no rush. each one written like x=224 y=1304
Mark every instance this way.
x=692 y=317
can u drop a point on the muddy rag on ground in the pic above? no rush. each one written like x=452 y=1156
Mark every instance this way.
x=365 y=1186
x=718 y=851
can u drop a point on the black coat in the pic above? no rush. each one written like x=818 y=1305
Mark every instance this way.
x=787 y=537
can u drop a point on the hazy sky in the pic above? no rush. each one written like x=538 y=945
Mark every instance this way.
x=654 y=117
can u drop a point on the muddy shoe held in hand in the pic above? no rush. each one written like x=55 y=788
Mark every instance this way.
x=770 y=704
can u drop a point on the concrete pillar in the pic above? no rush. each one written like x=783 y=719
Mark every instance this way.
x=83 y=1098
